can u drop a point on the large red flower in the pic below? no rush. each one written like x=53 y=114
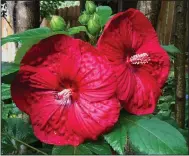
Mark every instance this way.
x=141 y=65
x=68 y=91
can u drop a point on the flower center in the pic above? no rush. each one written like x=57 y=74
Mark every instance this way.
x=65 y=96
x=140 y=58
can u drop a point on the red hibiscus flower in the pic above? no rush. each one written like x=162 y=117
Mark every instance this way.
x=141 y=65
x=68 y=91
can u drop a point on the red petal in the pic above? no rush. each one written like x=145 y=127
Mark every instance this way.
x=69 y=66
x=51 y=123
x=28 y=79
x=47 y=52
x=90 y=119
x=19 y=92
x=146 y=94
x=159 y=64
x=116 y=38
x=95 y=78
x=125 y=32
x=126 y=82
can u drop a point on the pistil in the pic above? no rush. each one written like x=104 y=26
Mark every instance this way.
x=65 y=96
x=140 y=58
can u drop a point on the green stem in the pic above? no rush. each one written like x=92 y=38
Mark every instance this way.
x=75 y=150
x=26 y=144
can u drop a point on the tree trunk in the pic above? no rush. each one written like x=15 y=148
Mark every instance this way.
x=150 y=9
x=179 y=41
x=24 y=14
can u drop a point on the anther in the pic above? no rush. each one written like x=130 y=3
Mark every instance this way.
x=65 y=96
x=140 y=58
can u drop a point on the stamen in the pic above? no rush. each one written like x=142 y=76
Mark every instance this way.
x=65 y=96
x=140 y=58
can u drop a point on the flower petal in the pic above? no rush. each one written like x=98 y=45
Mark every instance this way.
x=90 y=119
x=126 y=82
x=124 y=34
x=19 y=92
x=159 y=63
x=95 y=78
x=50 y=122
x=146 y=94
x=116 y=38
x=28 y=79
x=48 y=52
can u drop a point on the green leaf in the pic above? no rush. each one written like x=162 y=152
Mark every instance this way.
x=5 y=92
x=171 y=49
x=153 y=136
x=15 y=135
x=71 y=150
x=30 y=34
x=8 y=68
x=104 y=13
x=99 y=147
x=26 y=45
x=117 y=138
x=17 y=128
x=93 y=147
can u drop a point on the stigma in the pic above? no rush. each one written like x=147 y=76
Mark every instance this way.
x=65 y=96
x=140 y=58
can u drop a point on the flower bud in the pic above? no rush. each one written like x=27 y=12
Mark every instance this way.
x=90 y=7
x=96 y=18
x=84 y=18
x=57 y=23
x=93 y=27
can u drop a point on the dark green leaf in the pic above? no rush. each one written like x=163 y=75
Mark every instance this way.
x=17 y=128
x=71 y=150
x=117 y=137
x=5 y=92
x=8 y=68
x=99 y=147
x=104 y=13
x=153 y=136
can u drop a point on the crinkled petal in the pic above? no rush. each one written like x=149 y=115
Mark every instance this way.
x=50 y=121
x=69 y=66
x=19 y=92
x=48 y=52
x=126 y=82
x=30 y=78
x=159 y=63
x=146 y=94
x=96 y=79
x=116 y=38
x=90 y=119
x=125 y=33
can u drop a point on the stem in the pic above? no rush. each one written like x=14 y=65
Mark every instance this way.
x=93 y=40
x=26 y=144
x=75 y=150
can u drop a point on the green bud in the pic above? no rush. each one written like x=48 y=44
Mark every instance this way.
x=84 y=18
x=90 y=7
x=96 y=18
x=93 y=27
x=57 y=23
